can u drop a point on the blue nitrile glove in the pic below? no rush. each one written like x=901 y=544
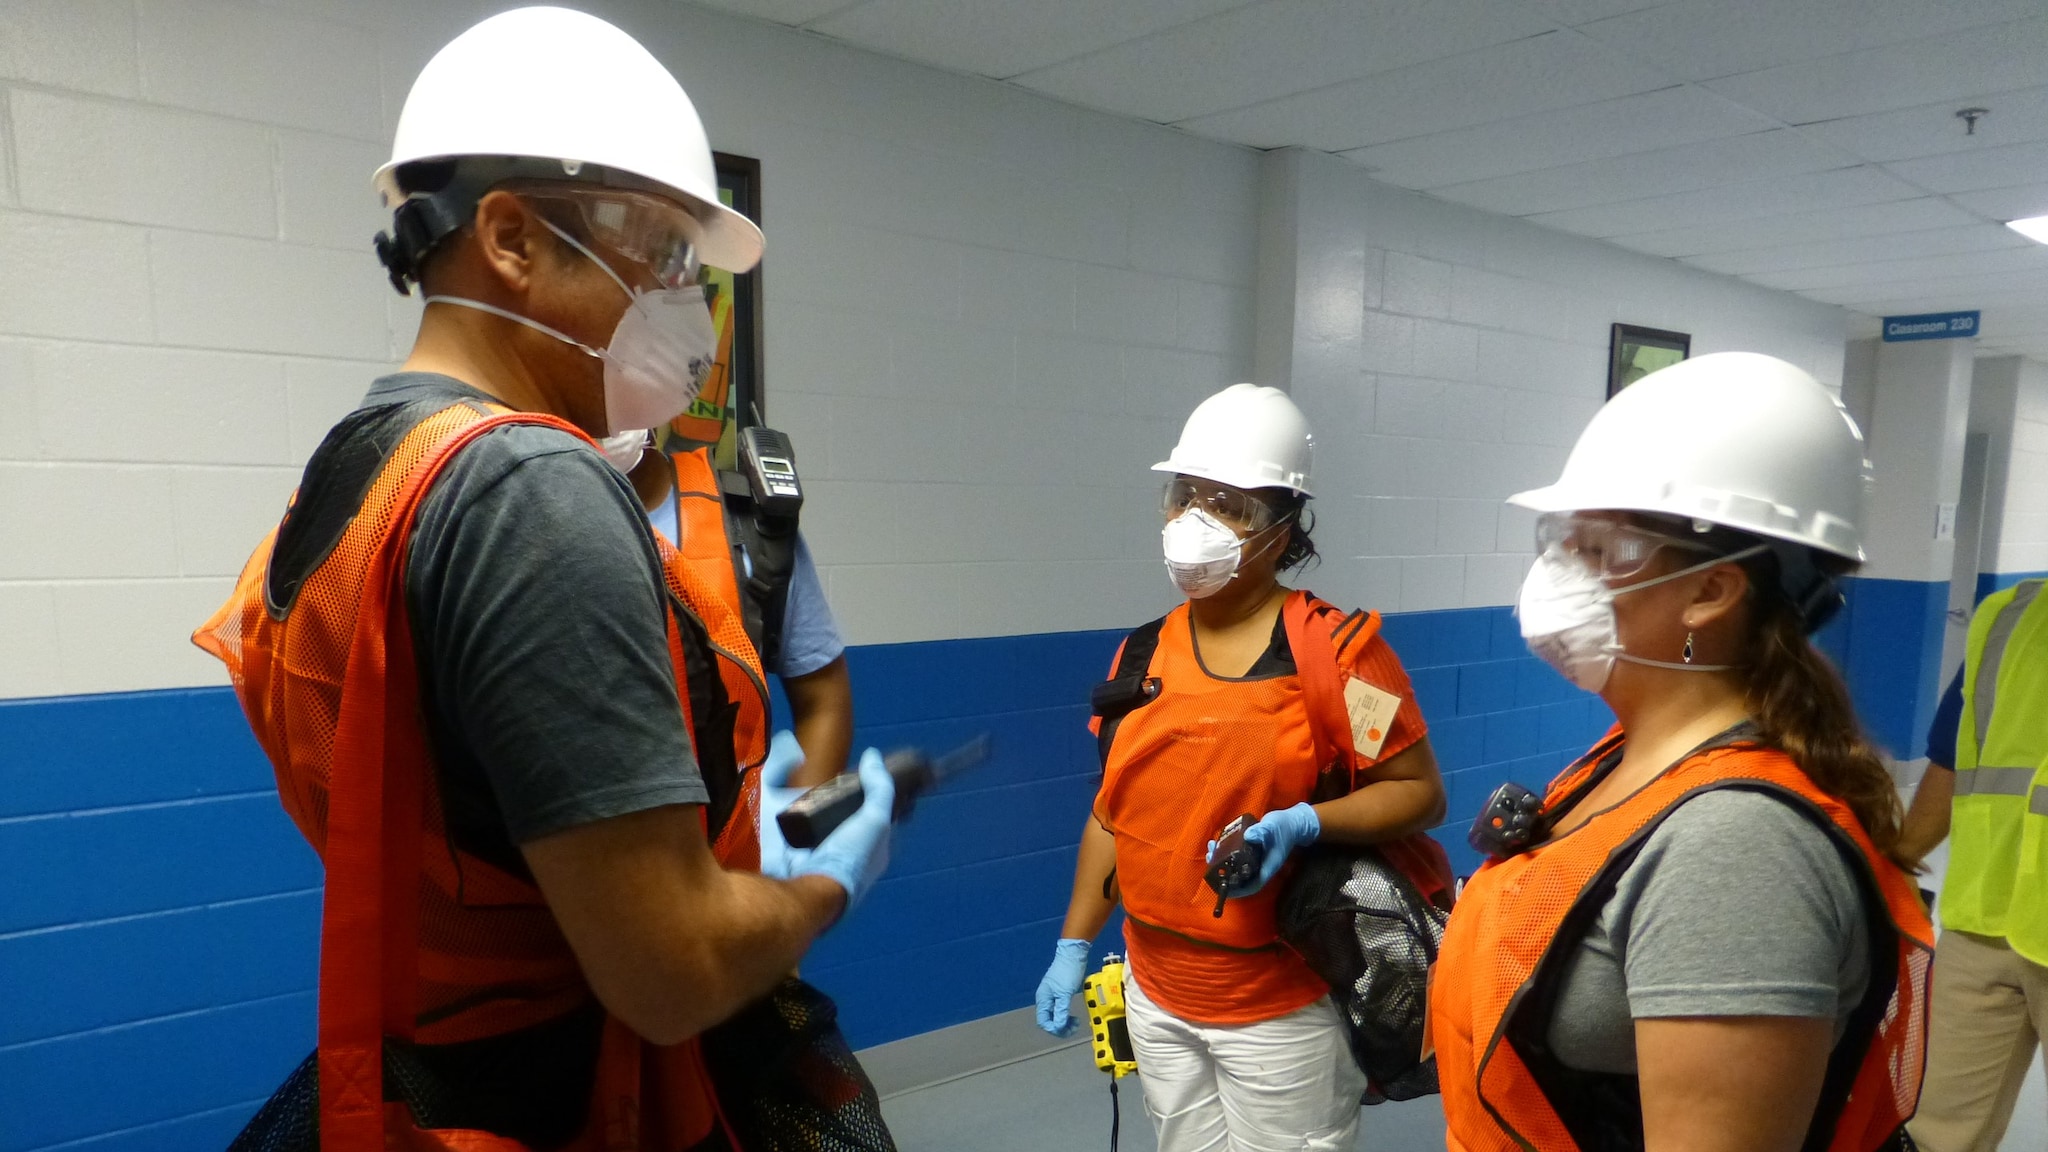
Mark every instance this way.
x=1061 y=984
x=1280 y=833
x=856 y=852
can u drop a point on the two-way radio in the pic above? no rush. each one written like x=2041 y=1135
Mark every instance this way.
x=1511 y=821
x=813 y=815
x=1235 y=861
x=768 y=461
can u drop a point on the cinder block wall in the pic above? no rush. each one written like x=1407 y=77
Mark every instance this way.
x=987 y=314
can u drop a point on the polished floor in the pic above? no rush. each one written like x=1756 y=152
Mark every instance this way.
x=1053 y=1098
x=1056 y=1099
x=1000 y=1085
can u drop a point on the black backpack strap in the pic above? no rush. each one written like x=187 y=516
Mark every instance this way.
x=769 y=544
x=1129 y=688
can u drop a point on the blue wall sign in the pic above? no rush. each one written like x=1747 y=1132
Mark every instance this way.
x=1932 y=326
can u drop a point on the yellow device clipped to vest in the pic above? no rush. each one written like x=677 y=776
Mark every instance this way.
x=1112 y=1040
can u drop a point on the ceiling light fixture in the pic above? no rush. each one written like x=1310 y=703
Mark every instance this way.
x=2034 y=228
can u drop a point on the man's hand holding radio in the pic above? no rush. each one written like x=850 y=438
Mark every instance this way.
x=856 y=852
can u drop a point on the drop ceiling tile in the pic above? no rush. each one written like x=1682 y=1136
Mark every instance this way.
x=1841 y=188
x=1538 y=74
x=1799 y=227
x=1275 y=49
x=1917 y=270
x=1004 y=39
x=1586 y=11
x=1733 y=160
x=1932 y=129
x=781 y=11
x=1945 y=67
x=1861 y=250
x=1684 y=114
x=2005 y=167
x=2007 y=203
x=1703 y=39
x=1948 y=292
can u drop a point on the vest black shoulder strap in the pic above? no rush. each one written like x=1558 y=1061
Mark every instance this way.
x=767 y=546
x=1602 y=1110
x=1128 y=688
x=336 y=482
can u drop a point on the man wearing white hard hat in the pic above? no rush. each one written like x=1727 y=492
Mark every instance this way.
x=1700 y=937
x=525 y=742
x=1235 y=704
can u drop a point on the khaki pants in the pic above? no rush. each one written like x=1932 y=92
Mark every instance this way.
x=1987 y=1013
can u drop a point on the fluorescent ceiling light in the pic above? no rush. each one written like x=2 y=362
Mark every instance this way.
x=2034 y=228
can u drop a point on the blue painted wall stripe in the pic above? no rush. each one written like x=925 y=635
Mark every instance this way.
x=1887 y=639
x=160 y=927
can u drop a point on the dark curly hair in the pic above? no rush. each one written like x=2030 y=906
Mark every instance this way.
x=1301 y=548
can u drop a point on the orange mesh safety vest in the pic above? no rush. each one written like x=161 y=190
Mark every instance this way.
x=420 y=941
x=1178 y=769
x=1520 y=919
x=700 y=565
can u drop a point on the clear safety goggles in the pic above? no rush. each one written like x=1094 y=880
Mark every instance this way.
x=650 y=231
x=1612 y=549
x=1233 y=506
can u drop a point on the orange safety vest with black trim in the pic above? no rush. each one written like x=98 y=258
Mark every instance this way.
x=1519 y=922
x=745 y=561
x=707 y=588
x=420 y=941
x=1200 y=753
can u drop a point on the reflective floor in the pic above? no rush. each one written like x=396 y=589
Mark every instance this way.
x=1057 y=1100
x=1000 y=1085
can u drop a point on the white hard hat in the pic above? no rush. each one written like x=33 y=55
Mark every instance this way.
x=1245 y=436
x=556 y=85
x=1733 y=438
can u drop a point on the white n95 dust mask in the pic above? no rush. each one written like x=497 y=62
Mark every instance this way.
x=623 y=450
x=1567 y=617
x=1202 y=553
x=658 y=357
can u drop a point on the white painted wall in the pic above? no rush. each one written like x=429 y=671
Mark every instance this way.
x=1919 y=417
x=2009 y=403
x=987 y=313
x=1449 y=358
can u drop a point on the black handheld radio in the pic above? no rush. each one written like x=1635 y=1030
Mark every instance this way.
x=1511 y=821
x=1235 y=861
x=813 y=815
x=768 y=460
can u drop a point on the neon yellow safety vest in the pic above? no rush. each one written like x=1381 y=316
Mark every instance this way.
x=1998 y=840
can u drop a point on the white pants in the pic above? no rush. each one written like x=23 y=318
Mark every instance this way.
x=1285 y=1085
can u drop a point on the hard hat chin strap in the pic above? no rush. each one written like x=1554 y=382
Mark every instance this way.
x=442 y=196
x=1814 y=594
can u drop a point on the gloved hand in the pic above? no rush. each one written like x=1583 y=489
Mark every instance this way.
x=1280 y=833
x=1061 y=984
x=856 y=852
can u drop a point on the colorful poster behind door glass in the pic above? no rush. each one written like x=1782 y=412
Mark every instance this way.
x=732 y=393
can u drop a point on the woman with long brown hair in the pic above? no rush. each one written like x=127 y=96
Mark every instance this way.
x=1698 y=940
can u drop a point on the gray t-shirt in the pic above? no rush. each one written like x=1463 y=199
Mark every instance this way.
x=538 y=617
x=1738 y=905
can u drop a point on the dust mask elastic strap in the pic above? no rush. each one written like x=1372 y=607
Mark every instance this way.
x=1616 y=650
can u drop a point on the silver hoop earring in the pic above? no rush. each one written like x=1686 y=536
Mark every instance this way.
x=1687 y=654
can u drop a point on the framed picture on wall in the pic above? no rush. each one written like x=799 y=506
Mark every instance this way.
x=733 y=393
x=1633 y=353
